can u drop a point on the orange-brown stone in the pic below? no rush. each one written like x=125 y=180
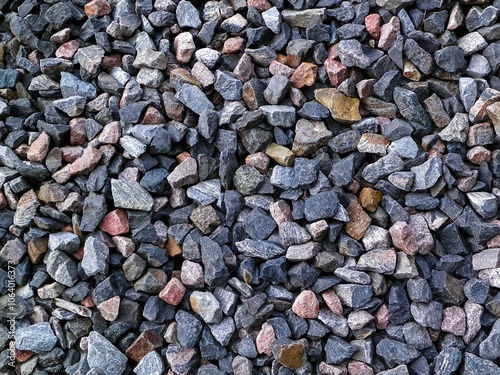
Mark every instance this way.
x=370 y=199
x=304 y=75
x=360 y=220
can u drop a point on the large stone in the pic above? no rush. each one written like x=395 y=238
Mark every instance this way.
x=343 y=109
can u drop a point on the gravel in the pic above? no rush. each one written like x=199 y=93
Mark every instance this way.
x=250 y=187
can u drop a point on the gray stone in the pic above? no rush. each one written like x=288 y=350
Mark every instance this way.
x=105 y=357
x=150 y=364
x=351 y=54
x=277 y=89
x=247 y=180
x=130 y=194
x=338 y=350
x=38 y=338
x=193 y=98
x=95 y=257
x=230 y=88
x=279 y=115
x=64 y=241
x=427 y=174
x=187 y=15
x=216 y=272
x=353 y=295
x=206 y=306
x=61 y=268
x=205 y=192
x=395 y=352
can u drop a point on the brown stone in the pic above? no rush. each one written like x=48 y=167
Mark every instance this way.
x=260 y=5
x=304 y=75
x=36 y=249
x=245 y=69
x=388 y=34
x=370 y=199
x=184 y=47
x=77 y=133
x=172 y=247
x=153 y=117
x=280 y=155
x=292 y=355
x=360 y=220
x=144 y=344
x=61 y=36
x=97 y=8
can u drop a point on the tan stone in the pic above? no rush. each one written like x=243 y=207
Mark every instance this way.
x=345 y=110
x=36 y=249
x=172 y=247
x=280 y=154
x=370 y=199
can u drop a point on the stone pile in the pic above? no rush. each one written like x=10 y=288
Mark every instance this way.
x=250 y=186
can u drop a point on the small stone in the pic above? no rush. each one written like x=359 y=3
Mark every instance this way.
x=95 y=257
x=130 y=195
x=396 y=352
x=338 y=350
x=206 y=306
x=373 y=144
x=115 y=223
x=247 y=180
x=359 y=220
x=454 y=321
x=450 y=59
x=291 y=354
x=173 y=292
x=38 y=338
x=186 y=173
x=187 y=15
x=304 y=75
x=306 y=305
x=87 y=162
x=205 y=219
x=427 y=174
x=97 y=8
x=309 y=137
x=103 y=356
x=229 y=87
x=343 y=109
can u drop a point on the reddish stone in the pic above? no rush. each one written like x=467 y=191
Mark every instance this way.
x=326 y=369
x=280 y=212
x=61 y=36
x=260 y=5
x=259 y=161
x=304 y=75
x=112 y=61
x=115 y=222
x=23 y=355
x=353 y=186
x=110 y=308
x=62 y=175
x=77 y=133
x=234 y=45
x=67 y=50
x=388 y=34
x=173 y=292
x=337 y=73
x=182 y=156
x=129 y=173
x=87 y=162
x=184 y=47
x=144 y=344
x=97 y=8
x=382 y=317
x=403 y=237
x=192 y=274
x=39 y=148
x=124 y=245
x=358 y=319
x=71 y=153
x=153 y=117
x=479 y=155
x=203 y=75
x=372 y=23
x=454 y=321
x=245 y=69
x=359 y=368
x=365 y=87
x=265 y=338
x=306 y=305
x=333 y=301
x=111 y=133
x=473 y=313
